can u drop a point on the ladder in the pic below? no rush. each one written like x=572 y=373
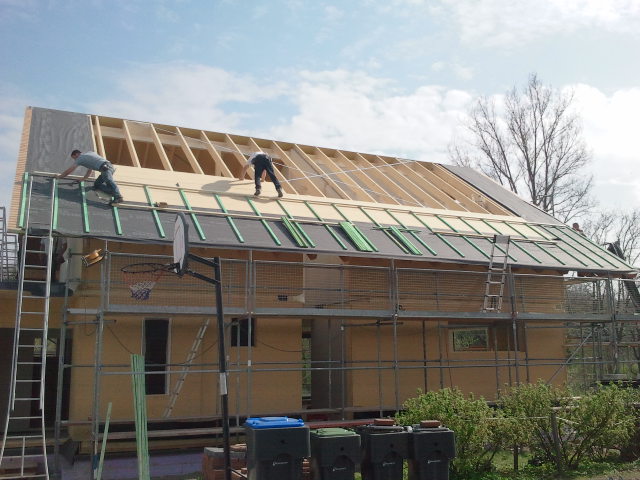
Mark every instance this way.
x=23 y=448
x=8 y=250
x=498 y=265
x=185 y=371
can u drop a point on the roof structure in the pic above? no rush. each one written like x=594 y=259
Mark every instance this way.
x=338 y=202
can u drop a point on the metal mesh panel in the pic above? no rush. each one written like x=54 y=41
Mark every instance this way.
x=446 y=291
x=173 y=291
x=564 y=295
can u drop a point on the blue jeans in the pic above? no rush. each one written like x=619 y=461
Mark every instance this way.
x=105 y=182
x=262 y=163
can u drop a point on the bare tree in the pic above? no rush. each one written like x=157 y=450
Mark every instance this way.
x=531 y=143
x=610 y=226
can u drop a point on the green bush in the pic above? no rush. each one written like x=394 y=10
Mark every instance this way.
x=478 y=434
x=589 y=427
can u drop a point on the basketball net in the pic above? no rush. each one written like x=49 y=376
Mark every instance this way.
x=141 y=283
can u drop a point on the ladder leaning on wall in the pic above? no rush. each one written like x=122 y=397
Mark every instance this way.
x=23 y=449
x=498 y=265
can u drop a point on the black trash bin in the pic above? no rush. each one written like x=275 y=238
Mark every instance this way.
x=384 y=447
x=276 y=447
x=335 y=453
x=431 y=449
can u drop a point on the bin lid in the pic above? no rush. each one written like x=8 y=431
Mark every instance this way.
x=333 y=432
x=273 y=422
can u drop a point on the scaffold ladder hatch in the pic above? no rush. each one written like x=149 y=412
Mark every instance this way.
x=496 y=275
x=185 y=368
x=23 y=450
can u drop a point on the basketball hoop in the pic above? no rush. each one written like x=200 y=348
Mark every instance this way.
x=142 y=277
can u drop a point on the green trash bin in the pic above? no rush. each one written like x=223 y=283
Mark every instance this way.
x=384 y=449
x=335 y=453
x=431 y=449
x=276 y=447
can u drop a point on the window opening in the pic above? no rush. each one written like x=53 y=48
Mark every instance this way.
x=471 y=339
x=156 y=352
x=241 y=334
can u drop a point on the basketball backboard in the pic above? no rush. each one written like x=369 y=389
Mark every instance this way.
x=181 y=244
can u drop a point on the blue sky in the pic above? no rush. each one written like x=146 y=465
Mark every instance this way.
x=387 y=76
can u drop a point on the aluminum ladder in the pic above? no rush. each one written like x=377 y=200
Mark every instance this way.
x=8 y=250
x=27 y=444
x=186 y=366
x=496 y=275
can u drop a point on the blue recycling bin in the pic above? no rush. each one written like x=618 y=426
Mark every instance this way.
x=276 y=447
x=431 y=449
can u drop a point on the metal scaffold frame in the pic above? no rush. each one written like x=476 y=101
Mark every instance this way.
x=593 y=320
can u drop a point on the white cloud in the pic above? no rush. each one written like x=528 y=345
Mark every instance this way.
x=506 y=22
x=611 y=130
x=184 y=94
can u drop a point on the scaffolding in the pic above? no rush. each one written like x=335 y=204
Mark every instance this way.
x=594 y=315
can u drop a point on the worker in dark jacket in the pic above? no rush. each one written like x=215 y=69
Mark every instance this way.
x=261 y=163
x=92 y=161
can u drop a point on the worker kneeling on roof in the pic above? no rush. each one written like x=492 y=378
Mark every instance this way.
x=92 y=161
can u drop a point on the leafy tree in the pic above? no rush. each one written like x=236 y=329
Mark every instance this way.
x=530 y=141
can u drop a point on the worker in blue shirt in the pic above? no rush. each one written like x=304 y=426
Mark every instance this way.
x=92 y=161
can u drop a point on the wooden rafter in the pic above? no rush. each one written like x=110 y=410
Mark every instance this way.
x=220 y=167
x=160 y=148
x=371 y=186
x=130 y=145
x=188 y=153
x=308 y=187
x=320 y=174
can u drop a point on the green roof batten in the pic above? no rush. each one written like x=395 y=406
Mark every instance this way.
x=444 y=240
x=264 y=222
x=413 y=233
x=194 y=218
x=327 y=227
x=156 y=217
x=23 y=199
x=230 y=221
x=85 y=213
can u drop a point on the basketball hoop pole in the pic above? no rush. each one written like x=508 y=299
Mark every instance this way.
x=222 y=356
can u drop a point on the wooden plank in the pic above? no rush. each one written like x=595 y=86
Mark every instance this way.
x=98 y=136
x=318 y=176
x=160 y=149
x=302 y=184
x=353 y=185
x=490 y=205
x=372 y=186
x=389 y=180
x=130 y=145
x=221 y=168
x=188 y=153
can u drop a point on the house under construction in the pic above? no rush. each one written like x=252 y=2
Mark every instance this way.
x=373 y=277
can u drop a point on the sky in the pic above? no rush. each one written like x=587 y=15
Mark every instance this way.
x=393 y=77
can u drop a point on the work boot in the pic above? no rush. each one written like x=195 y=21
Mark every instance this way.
x=280 y=194
x=116 y=201
x=257 y=194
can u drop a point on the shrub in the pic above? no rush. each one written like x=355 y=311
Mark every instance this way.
x=588 y=426
x=473 y=421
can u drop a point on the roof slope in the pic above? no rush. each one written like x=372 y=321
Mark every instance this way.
x=338 y=218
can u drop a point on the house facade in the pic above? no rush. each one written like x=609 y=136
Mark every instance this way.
x=373 y=277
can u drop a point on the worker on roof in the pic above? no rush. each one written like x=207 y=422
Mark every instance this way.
x=92 y=161
x=261 y=162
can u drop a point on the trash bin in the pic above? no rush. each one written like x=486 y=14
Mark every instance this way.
x=384 y=446
x=276 y=447
x=431 y=449
x=335 y=453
